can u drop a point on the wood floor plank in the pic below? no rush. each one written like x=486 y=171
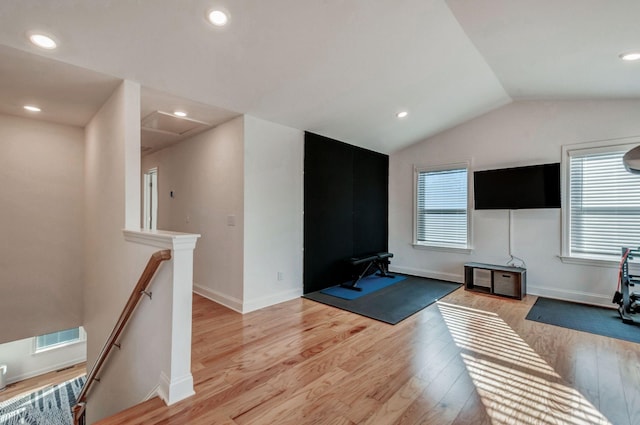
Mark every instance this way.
x=39 y=382
x=585 y=370
x=397 y=404
x=630 y=375
x=306 y=405
x=472 y=412
x=438 y=382
x=451 y=404
x=472 y=359
x=423 y=357
x=611 y=388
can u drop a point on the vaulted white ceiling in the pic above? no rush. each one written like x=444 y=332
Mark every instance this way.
x=556 y=49
x=340 y=68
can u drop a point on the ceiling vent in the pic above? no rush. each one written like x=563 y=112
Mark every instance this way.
x=168 y=123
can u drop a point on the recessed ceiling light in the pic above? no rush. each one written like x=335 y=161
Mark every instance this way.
x=180 y=114
x=43 y=41
x=630 y=56
x=402 y=114
x=32 y=108
x=218 y=18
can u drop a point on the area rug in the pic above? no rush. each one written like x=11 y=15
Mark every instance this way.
x=393 y=303
x=582 y=317
x=367 y=285
x=48 y=406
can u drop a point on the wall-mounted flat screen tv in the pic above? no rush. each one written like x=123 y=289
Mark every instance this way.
x=534 y=186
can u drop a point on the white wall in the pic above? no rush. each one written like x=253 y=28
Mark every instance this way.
x=273 y=205
x=205 y=174
x=41 y=249
x=23 y=363
x=105 y=211
x=521 y=133
x=113 y=265
x=240 y=187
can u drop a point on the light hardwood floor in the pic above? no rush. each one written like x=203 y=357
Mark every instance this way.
x=42 y=381
x=470 y=359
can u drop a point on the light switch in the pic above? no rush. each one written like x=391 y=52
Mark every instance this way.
x=231 y=220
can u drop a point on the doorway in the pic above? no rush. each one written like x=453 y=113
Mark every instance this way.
x=150 y=199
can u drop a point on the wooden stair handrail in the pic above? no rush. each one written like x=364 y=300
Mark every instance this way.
x=140 y=289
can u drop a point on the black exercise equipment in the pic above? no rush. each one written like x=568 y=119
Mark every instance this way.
x=379 y=260
x=627 y=300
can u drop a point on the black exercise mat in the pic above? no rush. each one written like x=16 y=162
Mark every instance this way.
x=393 y=303
x=582 y=317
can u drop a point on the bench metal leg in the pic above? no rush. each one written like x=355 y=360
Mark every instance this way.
x=354 y=285
x=380 y=261
x=383 y=271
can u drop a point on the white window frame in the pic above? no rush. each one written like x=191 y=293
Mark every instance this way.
x=82 y=337
x=417 y=169
x=602 y=146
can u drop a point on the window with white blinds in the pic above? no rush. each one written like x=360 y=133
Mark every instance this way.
x=604 y=203
x=442 y=207
x=58 y=339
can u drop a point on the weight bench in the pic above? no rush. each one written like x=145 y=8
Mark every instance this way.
x=379 y=260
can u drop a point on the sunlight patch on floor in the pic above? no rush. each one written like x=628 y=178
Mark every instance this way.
x=515 y=384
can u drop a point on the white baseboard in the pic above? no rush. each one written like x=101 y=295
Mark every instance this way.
x=155 y=392
x=450 y=277
x=250 y=305
x=51 y=368
x=163 y=388
x=177 y=390
x=542 y=291
x=573 y=296
x=271 y=299
x=215 y=296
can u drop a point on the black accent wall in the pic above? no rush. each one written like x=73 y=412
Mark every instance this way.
x=346 y=194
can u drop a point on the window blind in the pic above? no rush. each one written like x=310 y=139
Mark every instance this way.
x=57 y=338
x=604 y=205
x=441 y=198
